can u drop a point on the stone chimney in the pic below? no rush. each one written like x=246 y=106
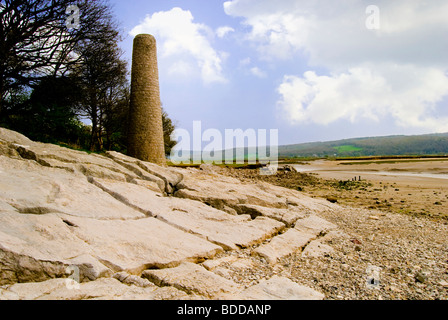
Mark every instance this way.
x=145 y=132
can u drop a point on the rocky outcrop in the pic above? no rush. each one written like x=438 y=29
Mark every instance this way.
x=75 y=225
x=295 y=239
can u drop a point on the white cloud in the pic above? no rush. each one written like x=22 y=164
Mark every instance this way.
x=180 y=68
x=398 y=71
x=245 y=65
x=221 y=32
x=258 y=72
x=278 y=33
x=364 y=93
x=180 y=37
x=245 y=62
x=334 y=34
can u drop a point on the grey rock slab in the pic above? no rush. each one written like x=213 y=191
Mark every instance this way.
x=131 y=279
x=170 y=177
x=13 y=144
x=31 y=291
x=72 y=160
x=135 y=245
x=156 y=185
x=279 y=288
x=33 y=189
x=34 y=248
x=317 y=249
x=109 y=218
x=226 y=232
x=7 y=150
x=287 y=216
x=210 y=265
x=296 y=239
x=312 y=205
x=193 y=279
x=222 y=191
x=231 y=232
x=314 y=225
x=88 y=268
x=101 y=289
x=217 y=226
x=284 y=245
x=303 y=203
x=14 y=137
x=133 y=165
x=138 y=195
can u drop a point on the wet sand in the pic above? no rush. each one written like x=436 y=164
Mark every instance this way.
x=416 y=186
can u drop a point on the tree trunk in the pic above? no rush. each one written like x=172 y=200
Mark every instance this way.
x=1 y=92
x=94 y=117
x=94 y=129
x=99 y=137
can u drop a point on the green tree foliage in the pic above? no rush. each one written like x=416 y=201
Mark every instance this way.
x=168 y=129
x=49 y=113
x=431 y=144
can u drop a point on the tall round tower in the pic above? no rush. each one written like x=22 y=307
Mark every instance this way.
x=145 y=133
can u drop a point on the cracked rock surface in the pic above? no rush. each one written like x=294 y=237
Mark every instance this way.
x=85 y=226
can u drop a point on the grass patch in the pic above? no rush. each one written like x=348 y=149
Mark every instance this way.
x=234 y=165
x=347 y=148
x=349 y=185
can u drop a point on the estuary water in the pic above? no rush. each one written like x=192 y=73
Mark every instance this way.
x=310 y=168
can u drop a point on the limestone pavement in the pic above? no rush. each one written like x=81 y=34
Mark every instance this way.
x=85 y=226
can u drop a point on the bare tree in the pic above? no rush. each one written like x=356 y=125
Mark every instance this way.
x=37 y=39
x=102 y=75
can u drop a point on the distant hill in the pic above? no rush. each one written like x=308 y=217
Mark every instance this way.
x=429 y=144
x=419 y=145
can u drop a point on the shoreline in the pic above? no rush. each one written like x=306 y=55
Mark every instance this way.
x=411 y=188
x=407 y=247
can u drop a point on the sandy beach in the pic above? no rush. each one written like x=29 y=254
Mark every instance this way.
x=413 y=186
x=395 y=219
x=416 y=186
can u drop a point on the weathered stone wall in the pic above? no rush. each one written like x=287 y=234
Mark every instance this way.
x=145 y=135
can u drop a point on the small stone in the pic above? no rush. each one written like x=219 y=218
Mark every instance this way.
x=332 y=199
x=394 y=270
x=345 y=267
x=395 y=289
x=374 y=218
x=443 y=283
x=421 y=277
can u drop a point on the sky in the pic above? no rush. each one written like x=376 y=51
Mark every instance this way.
x=316 y=70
